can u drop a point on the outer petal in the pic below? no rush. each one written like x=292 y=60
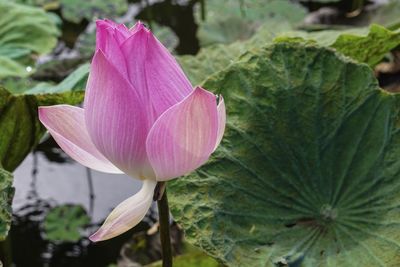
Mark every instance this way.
x=221 y=121
x=127 y=214
x=67 y=126
x=184 y=136
x=154 y=72
x=115 y=118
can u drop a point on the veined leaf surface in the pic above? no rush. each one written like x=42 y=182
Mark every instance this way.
x=24 y=32
x=6 y=195
x=308 y=173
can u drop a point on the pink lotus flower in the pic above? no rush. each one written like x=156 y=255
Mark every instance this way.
x=141 y=117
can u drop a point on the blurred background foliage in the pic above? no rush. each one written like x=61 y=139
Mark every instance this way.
x=45 y=52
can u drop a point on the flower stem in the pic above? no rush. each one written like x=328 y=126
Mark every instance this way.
x=163 y=215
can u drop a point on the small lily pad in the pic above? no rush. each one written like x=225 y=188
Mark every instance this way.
x=64 y=223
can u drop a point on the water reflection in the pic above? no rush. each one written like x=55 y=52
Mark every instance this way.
x=50 y=175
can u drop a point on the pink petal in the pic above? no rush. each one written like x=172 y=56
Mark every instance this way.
x=106 y=40
x=221 y=121
x=67 y=126
x=184 y=136
x=154 y=72
x=138 y=25
x=121 y=31
x=115 y=118
x=127 y=214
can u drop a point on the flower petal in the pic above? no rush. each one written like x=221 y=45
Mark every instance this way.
x=67 y=126
x=138 y=25
x=107 y=41
x=221 y=121
x=127 y=214
x=115 y=118
x=154 y=72
x=184 y=136
x=121 y=31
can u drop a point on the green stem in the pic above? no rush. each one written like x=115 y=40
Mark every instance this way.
x=163 y=213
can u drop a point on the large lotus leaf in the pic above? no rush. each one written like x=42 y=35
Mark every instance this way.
x=368 y=46
x=24 y=32
x=20 y=128
x=228 y=21
x=6 y=195
x=308 y=172
x=64 y=223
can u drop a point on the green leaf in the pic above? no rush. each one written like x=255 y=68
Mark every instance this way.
x=371 y=48
x=24 y=31
x=20 y=128
x=6 y=195
x=308 y=171
x=368 y=46
x=64 y=223
x=229 y=21
x=76 y=81
x=76 y=10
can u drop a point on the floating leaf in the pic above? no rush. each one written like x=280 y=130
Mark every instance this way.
x=24 y=31
x=6 y=195
x=229 y=21
x=360 y=44
x=64 y=223
x=76 y=10
x=308 y=170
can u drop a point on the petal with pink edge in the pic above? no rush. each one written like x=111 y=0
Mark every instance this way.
x=138 y=25
x=122 y=32
x=127 y=214
x=67 y=126
x=221 y=121
x=115 y=119
x=154 y=72
x=184 y=136
x=106 y=40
